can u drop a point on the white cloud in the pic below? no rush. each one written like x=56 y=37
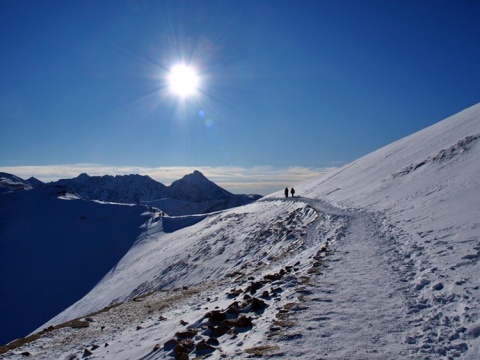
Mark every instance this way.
x=258 y=179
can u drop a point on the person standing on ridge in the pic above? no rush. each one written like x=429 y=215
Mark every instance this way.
x=292 y=191
x=286 y=192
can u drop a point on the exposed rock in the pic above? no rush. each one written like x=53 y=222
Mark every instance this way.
x=87 y=353
x=241 y=322
x=254 y=286
x=258 y=304
x=184 y=346
x=216 y=316
x=233 y=308
x=203 y=347
x=234 y=293
x=181 y=356
x=272 y=277
x=265 y=295
x=265 y=350
x=187 y=334
x=221 y=329
x=77 y=324
x=170 y=344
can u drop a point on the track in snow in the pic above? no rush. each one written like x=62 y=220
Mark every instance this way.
x=356 y=305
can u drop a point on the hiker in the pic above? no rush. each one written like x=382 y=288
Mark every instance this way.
x=292 y=191
x=286 y=192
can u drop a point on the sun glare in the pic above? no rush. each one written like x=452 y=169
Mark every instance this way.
x=183 y=80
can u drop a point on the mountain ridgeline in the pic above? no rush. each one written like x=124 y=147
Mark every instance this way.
x=193 y=193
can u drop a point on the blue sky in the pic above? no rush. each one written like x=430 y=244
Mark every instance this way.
x=286 y=87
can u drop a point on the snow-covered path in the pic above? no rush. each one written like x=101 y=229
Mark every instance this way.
x=356 y=306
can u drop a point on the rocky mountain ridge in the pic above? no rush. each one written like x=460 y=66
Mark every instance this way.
x=191 y=194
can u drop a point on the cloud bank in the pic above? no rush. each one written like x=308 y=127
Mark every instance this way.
x=261 y=180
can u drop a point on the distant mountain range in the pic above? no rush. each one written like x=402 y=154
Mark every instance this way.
x=193 y=193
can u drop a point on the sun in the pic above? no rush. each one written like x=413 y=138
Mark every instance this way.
x=183 y=80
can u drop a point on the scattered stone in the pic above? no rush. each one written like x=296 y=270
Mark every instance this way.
x=254 y=286
x=139 y=327
x=89 y=319
x=216 y=316
x=87 y=353
x=184 y=346
x=265 y=295
x=234 y=293
x=233 y=308
x=95 y=347
x=241 y=322
x=273 y=277
x=258 y=305
x=203 y=347
x=183 y=323
x=181 y=356
x=220 y=330
x=187 y=334
x=157 y=347
x=25 y=353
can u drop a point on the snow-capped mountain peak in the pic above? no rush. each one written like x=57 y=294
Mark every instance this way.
x=196 y=187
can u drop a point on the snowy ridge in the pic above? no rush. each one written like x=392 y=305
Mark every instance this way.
x=192 y=194
x=9 y=182
x=378 y=260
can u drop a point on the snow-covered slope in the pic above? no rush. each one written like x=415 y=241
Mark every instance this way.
x=378 y=260
x=54 y=248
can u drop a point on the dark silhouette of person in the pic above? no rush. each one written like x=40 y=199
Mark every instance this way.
x=286 y=192
x=292 y=191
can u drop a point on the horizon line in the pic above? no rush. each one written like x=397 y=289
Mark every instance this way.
x=262 y=180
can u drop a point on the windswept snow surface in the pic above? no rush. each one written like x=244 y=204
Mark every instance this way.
x=378 y=260
x=55 y=248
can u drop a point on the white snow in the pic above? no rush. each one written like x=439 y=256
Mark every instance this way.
x=378 y=260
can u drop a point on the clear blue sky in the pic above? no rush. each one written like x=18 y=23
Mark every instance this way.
x=305 y=84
